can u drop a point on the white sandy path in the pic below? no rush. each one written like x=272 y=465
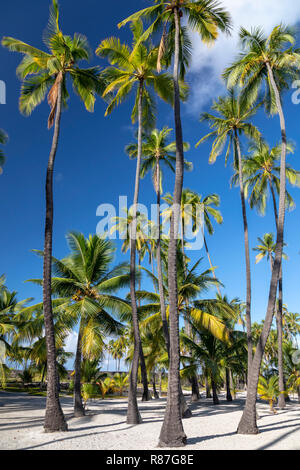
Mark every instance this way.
x=211 y=427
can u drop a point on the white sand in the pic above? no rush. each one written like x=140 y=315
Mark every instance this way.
x=104 y=427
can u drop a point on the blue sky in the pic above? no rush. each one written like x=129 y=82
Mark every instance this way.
x=92 y=168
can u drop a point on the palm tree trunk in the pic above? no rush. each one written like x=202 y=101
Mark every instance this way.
x=228 y=391
x=248 y=423
x=279 y=318
x=78 y=406
x=172 y=433
x=146 y=393
x=195 y=388
x=247 y=253
x=133 y=414
x=155 y=394
x=184 y=409
x=54 y=417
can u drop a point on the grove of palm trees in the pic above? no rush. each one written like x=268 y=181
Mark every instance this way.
x=150 y=257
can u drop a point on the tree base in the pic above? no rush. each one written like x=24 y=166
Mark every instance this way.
x=79 y=413
x=281 y=402
x=180 y=442
x=134 y=420
x=147 y=397
x=247 y=429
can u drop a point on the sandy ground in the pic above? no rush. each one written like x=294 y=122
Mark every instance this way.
x=104 y=427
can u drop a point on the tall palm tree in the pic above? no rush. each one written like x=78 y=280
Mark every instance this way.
x=134 y=68
x=262 y=175
x=3 y=140
x=124 y=227
x=86 y=284
x=266 y=248
x=158 y=152
x=39 y=72
x=206 y=17
x=272 y=61
x=231 y=121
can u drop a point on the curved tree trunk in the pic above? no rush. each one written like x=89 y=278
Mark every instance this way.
x=279 y=318
x=247 y=254
x=248 y=423
x=133 y=414
x=78 y=406
x=54 y=417
x=172 y=433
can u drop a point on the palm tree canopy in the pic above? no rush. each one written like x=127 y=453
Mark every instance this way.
x=134 y=68
x=157 y=150
x=266 y=247
x=206 y=17
x=262 y=170
x=43 y=71
x=232 y=116
x=259 y=51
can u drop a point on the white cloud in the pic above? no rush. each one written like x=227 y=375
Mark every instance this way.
x=209 y=62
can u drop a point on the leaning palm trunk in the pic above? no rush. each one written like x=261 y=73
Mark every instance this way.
x=247 y=253
x=133 y=414
x=185 y=411
x=54 y=418
x=279 y=318
x=78 y=405
x=172 y=433
x=248 y=423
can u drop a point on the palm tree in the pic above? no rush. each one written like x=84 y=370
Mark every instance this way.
x=134 y=68
x=266 y=248
x=39 y=72
x=205 y=17
x=86 y=285
x=262 y=175
x=158 y=152
x=268 y=390
x=232 y=120
x=3 y=140
x=272 y=61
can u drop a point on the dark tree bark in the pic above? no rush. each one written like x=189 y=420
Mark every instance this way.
x=155 y=394
x=172 y=433
x=146 y=393
x=248 y=423
x=54 y=417
x=228 y=391
x=247 y=253
x=133 y=414
x=78 y=405
x=195 y=388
